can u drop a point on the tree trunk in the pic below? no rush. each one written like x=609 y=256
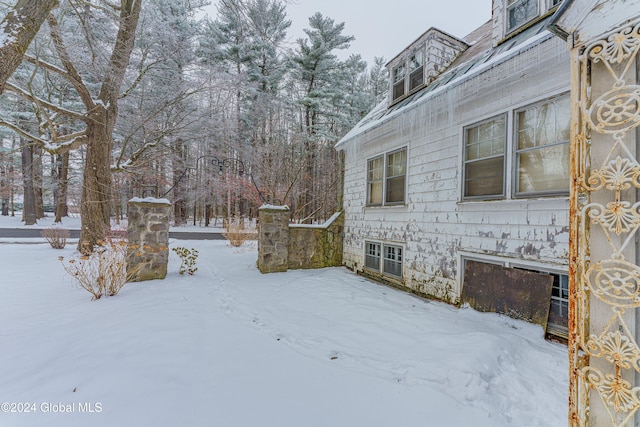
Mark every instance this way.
x=179 y=160
x=95 y=209
x=17 y=30
x=36 y=168
x=4 y=184
x=61 y=175
x=29 y=202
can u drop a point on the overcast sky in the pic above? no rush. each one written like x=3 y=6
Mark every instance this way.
x=386 y=28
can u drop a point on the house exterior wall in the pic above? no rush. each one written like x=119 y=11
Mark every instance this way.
x=435 y=227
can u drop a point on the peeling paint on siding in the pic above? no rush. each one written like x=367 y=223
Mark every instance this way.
x=434 y=226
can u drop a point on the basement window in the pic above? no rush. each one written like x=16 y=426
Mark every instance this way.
x=390 y=255
x=372 y=255
x=502 y=285
x=392 y=260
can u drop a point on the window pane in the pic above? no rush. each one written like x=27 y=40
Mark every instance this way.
x=484 y=158
x=372 y=255
x=542 y=147
x=559 y=309
x=398 y=89
x=521 y=12
x=375 y=193
x=395 y=190
x=375 y=169
x=396 y=174
x=484 y=177
x=393 y=260
x=485 y=140
x=415 y=61
x=416 y=79
x=398 y=73
x=544 y=169
x=563 y=119
x=396 y=163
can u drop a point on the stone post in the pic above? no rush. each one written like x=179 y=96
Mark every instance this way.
x=273 y=238
x=148 y=232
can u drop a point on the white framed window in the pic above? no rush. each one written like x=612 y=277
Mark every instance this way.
x=519 y=12
x=372 y=255
x=391 y=256
x=396 y=176
x=484 y=158
x=408 y=75
x=524 y=153
x=386 y=178
x=542 y=148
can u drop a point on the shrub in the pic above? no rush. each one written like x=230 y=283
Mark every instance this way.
x=188 y=258
x=103 y=272
x=237 y=233
x=56 y=236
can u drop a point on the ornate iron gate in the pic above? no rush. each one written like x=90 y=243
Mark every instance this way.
x=605 y=213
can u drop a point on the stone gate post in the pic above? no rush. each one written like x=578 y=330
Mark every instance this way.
x=273 y=238
x=148 y=233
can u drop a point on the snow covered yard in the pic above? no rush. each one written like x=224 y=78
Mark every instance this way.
x=232 y=347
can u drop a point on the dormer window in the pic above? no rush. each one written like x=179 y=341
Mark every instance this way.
x=421 y=62
x=416 y=70
x=519 y=12
x=398 y=81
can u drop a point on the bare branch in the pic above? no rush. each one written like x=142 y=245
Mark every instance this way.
x=138 y=79
x=37 y=101
x=73 y=75
x=71 y=142
x=110 y=8
x=46 y=65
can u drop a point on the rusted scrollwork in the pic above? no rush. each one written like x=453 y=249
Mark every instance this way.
x=607 y=361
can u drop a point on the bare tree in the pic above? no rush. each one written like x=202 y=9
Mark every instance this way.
x=99 y=118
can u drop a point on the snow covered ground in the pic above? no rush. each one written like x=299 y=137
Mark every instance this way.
x=231 y=347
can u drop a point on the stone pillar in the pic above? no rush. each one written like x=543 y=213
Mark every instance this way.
x=148 y=232
x=273 y=239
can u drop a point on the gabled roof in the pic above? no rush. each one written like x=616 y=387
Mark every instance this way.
x=478 y=57
x=585 y=20
x=430 y=33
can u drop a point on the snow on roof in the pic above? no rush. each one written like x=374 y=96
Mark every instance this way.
x=326 y=224
x=478 y=58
